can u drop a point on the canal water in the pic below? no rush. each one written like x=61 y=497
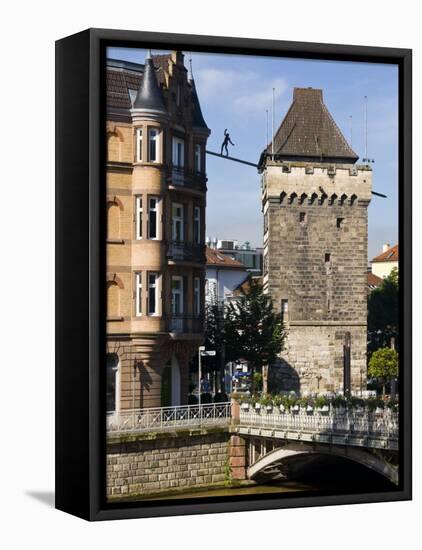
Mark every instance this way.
x=334 y=477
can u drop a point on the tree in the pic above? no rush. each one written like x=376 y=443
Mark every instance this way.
x=253 y=330
x=384 y=364
x=383 y=313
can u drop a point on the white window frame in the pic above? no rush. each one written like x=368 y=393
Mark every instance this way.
x=138 y=208
x=198 y=158
x=178 y=160
x=138 y=294
x=178 y=219
x=139 y=137
x=197 y=296
x=155 y=287
x=156 y=209
x=197 y=224
x=153 y=131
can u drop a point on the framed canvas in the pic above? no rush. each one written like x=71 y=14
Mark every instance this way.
x=233 y=274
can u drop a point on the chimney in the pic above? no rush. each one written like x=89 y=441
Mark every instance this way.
x=385 y=247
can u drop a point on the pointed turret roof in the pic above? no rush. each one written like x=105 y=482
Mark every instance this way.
x=197 y=118
x=308 y=132
x=149 y=96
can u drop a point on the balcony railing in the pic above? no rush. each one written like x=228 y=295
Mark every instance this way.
x=186 y=323
x=169 y=418
x=182 y=177
x=185 y=252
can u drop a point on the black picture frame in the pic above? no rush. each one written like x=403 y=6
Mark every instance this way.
x=80 y=266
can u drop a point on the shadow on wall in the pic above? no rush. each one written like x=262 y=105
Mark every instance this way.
x=146 y=383
x=283 y=377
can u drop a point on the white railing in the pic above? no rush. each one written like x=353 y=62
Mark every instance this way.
x=165 y=418
x=383 y=424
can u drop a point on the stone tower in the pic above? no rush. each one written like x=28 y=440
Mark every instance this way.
x=315 y=200
x=156 y=193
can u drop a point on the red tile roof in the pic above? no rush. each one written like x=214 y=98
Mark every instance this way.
x=390 y=255
x=245 y=287
x=373 y=280
x=217 y=258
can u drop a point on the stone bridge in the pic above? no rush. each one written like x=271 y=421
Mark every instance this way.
x=280 y=445
x=262 y=445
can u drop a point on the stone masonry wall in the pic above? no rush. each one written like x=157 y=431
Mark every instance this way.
x=175 y=461
x=315 y=249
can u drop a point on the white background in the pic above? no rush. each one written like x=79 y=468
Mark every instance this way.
x=28 y=32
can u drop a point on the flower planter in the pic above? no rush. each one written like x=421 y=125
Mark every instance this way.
x=282 y=408
x=309 y=409
x=258 y=406
x=379 y=410
x=295 y=409
x=269 y=408
x=244 y=406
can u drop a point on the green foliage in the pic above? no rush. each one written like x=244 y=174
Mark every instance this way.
x=393 y=405
x=338 y=401
x=257 y=381
x=384 y=364
x=321 y=401
x=266 y=400
x=383 y=312
x=253 y=330
x=373 y=403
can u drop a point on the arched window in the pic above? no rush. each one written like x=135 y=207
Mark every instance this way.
x=112 y=382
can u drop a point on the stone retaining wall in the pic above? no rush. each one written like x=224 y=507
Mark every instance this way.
x=174 y=461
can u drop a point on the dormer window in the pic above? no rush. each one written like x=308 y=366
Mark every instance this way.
x=153 y=149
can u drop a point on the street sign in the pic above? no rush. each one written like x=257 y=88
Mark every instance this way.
x=208 y=353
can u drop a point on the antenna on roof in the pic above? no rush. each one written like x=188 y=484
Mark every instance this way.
x=351 y=131
x=272 y=140
x=266 y=137
x=366 y=159
x=366 y=127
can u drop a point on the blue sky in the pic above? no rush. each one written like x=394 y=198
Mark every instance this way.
x=236 y=91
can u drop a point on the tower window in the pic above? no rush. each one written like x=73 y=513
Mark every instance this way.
x=178 y=152
x=302 y=216
x=197 y=158
x=197 y=224
x=152 y=293
x=153 y=145
x=197 y=295
x=327 y=257
x=139 y=217
x=153 y=205
x=339 y=222
x=138 y=294
x=139 y=144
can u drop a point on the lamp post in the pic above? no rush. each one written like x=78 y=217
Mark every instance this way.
x=200 y=350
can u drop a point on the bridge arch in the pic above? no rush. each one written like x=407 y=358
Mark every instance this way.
x=282 y=455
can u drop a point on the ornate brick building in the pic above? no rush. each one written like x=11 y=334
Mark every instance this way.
x=156 y=192
x=315 y=201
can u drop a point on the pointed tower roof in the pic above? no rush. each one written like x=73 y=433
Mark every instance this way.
x=149 y=96
x=197 y=118
x=308 y=132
